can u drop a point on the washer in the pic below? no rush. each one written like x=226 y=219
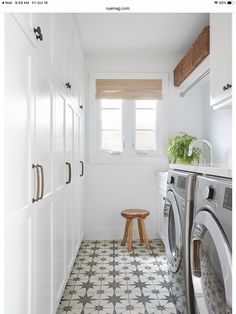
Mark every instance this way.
x=178 y=215
x=211 y=246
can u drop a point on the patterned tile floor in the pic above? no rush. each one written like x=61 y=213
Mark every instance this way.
x=107 y=279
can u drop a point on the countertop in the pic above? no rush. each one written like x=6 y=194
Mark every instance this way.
x=214 y=169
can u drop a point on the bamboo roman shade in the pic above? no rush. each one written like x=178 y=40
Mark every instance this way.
x=131 y=89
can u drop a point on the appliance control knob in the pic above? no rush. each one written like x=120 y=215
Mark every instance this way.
x=209 y=193
x=172 y=180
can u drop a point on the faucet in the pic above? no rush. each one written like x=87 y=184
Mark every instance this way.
x=190 y=150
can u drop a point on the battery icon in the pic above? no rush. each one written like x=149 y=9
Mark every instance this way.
x=229 y=2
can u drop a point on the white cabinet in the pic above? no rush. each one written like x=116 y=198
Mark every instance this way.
x=220 y=60
x=59 y=141
x=161 y=193
x=43 y=180
x=42 y=130
x=58 y=50
x=18 y=224
x=43 y=44
x=18 y=62
x=41 y=39
x=43 y=275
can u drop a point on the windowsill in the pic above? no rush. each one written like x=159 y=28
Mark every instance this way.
x=119 y=159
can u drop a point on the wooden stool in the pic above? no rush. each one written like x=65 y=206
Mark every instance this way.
x=131 y=214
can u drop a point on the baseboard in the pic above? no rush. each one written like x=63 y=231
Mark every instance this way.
x=115 y=234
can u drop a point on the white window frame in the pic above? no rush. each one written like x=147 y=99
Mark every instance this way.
x=97 y=155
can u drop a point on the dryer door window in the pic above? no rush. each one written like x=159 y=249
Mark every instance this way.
x=174 y=235
x=211 y=265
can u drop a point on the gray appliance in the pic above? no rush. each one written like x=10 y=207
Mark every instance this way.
x=211 y=246
x=178 y=215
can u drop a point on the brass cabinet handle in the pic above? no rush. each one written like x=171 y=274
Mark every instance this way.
x=38 y=183
x=42 y=182
x=38 y=33
x=69 y=166
x=82 y=173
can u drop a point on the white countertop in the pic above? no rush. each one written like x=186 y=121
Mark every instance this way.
x=214 y=169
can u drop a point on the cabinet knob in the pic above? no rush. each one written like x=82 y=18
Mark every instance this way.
x=38 y=33
x=68 y=85
x=81 y=107
x=227 y=87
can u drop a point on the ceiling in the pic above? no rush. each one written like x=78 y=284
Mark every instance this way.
x=154 y=32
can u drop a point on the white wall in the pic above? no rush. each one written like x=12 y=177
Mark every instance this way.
x=113 y=187
x=217 y=128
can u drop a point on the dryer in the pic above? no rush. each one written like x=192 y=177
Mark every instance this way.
x=211 y=246
x=178 y=215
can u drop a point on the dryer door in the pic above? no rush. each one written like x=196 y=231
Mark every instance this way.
x=211 y=265
x=173 y=233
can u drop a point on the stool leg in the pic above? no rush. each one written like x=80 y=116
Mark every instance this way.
x=145 y=235
x=130 y=235
x=140 y=230
x=126 y=232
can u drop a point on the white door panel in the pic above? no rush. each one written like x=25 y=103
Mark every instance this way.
x=43 y=255
x=18 y=260
x=77 y=145
x=69 y=138
x=58 y=50
x=43 y=128
x=59 y=230
x=59 y=142
x=44 y=46
x=17 y=82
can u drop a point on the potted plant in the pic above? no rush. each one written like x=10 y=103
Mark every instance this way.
x=177 y=149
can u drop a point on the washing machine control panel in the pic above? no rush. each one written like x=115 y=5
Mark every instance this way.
x=217 y=193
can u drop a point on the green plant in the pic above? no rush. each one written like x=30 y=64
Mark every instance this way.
x=178 y=147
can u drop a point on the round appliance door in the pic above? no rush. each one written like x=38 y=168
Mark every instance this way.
x=211 y=265
x=173 y=233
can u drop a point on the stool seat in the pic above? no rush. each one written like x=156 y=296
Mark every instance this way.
x=131 y=214
x=135 y=213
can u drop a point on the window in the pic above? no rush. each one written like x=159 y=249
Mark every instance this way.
x=146 y=125
x=111 y=125
x=126 y=118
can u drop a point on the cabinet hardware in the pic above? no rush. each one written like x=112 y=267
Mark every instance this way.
x=227 y=87
x=68 y=85
x=81 y=107
x=82 y=173
x=38 y=182
x=38 y=33
x=69 y=167
x=42 y=181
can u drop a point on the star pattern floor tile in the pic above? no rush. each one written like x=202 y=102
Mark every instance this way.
x=106 y=278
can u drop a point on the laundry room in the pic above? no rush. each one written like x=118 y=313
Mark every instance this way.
x=117 y=163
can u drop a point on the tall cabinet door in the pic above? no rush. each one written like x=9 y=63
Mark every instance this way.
x=69 y=148
x=42 y=156
x=77 y=192
x=18 y=225
x=42 y=122
x=59 y=230
x=17 y=123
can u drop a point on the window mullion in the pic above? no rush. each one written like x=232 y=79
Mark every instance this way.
x=128 y=126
